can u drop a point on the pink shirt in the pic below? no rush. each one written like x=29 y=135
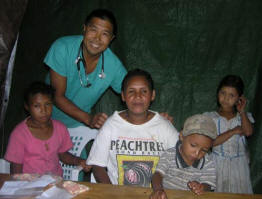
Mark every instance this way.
x=38 y=156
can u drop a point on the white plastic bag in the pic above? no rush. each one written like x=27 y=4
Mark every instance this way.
x=4 y=166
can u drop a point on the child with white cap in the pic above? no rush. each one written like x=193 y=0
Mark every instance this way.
x=188 y=165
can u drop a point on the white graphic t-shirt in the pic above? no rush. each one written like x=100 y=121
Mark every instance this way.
x=131 y=152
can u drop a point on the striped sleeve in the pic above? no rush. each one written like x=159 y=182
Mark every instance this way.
x=209 y=172
x=164 y=161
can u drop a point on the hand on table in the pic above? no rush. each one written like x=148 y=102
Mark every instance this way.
x=196 y=187
x=159 y=194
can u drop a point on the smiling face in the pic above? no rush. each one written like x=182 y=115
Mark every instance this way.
x=194 y=147
x=40 y=108
x=138 y=95
x=228 y=97
x=97 y=36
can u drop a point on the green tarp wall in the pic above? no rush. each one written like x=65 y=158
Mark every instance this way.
x=187 y=46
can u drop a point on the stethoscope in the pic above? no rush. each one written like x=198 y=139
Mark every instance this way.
x=79 y=59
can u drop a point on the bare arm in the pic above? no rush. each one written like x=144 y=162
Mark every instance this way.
x=101 y=175
x=68 y=158
x=16 y=168
x=157 y=181
x=226 y=135
x=158 y=190
x=59 y=84
x=245 y=123
x=246 y=129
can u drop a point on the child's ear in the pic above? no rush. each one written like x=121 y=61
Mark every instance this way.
x=153 y=95
x=181 y=135
x=123 y=96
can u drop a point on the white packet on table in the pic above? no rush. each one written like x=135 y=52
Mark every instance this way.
x=55 y=192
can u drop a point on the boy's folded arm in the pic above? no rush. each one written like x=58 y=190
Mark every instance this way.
x=207 y=187
x=16 y=168
x=100 y=174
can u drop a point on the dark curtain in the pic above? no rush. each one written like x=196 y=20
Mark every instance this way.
x=187 y=46
x=11 y=15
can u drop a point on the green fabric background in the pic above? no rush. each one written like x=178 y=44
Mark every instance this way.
x=187 y=46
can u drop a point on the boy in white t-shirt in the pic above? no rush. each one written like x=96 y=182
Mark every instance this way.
x=128 y=146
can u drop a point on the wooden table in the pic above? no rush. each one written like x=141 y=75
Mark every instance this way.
x=106 y=191
x=99 y=191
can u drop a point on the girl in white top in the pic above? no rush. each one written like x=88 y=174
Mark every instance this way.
x=233 y=126
x=128 y=146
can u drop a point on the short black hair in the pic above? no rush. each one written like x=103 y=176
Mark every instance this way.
x=231 y=81
x=105 y=15
x=137 y=72
x=36 y=88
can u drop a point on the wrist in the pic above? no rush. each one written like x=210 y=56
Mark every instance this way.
x=87 y=119
x=233 y=131
x=158 y=188
x=206 y=187
x=77 y=161
x=241 y=112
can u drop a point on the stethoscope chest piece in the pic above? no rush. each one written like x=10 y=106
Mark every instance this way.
x=101 y=75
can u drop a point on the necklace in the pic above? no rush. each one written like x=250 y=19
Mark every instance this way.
x=46 y=146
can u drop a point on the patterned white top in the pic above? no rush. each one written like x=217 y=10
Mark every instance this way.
x=234 y=146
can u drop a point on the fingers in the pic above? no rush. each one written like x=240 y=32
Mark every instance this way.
x=160 y=194
x=190 y=184
x=243 y=98
x=195 y=187
x=241 y=104
x=98 y=120
x=85 y=167
x=168 y=117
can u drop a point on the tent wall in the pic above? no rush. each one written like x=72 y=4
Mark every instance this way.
x=11 y=15
x=187 y=46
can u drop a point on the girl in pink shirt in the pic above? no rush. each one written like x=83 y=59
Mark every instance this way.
x=38 y=143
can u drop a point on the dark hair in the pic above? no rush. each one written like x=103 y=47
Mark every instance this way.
x=105 y=15
x=137 y=72
x=36 y=88
x=231 y=81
